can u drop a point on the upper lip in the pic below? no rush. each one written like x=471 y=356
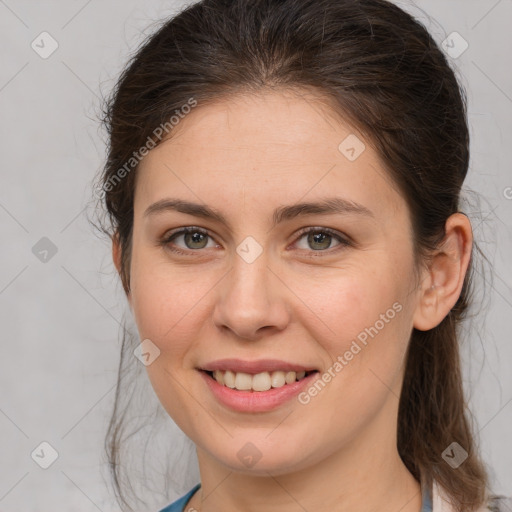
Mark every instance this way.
x=253 y=367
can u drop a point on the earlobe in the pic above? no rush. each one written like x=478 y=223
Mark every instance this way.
x=443 y=280
x=116 y=252
x=117 y=259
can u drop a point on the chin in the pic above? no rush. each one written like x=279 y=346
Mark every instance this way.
x=258 y=455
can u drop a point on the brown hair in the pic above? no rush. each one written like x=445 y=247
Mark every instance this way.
x=379 y=68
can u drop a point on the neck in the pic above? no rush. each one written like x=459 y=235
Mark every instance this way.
x=368 y=476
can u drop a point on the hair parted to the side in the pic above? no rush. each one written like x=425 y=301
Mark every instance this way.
x=380 y=69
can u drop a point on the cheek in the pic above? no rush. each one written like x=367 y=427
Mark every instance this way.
x=362 y=316
x=162 y=296
x=344 y=304
x=172 y=308
x=167 y=309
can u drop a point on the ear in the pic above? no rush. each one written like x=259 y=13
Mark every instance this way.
x=116 y=252
x=116 y=257
x=442 y=282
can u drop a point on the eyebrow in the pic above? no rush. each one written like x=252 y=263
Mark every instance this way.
x=327 y=206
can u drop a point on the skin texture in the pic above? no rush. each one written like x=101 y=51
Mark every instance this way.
x=245 y=158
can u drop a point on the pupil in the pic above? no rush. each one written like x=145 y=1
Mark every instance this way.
x=196 y=237
x=320 y=238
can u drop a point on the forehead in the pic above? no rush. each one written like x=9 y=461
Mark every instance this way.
x=273 y=146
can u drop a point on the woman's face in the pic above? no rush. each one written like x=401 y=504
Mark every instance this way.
x=257 y=286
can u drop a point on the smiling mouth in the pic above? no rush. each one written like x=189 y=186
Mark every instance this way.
x=258 y=382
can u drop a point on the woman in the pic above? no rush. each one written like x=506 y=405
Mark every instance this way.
x=283 y=184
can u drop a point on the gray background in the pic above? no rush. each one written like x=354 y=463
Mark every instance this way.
x=60 y=318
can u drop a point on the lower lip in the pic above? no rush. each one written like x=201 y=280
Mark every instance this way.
x=256 y=401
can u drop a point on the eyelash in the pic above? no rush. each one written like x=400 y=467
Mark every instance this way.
x=343 y=241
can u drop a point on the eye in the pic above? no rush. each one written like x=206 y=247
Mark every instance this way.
x=320 y=239
x=194 y=238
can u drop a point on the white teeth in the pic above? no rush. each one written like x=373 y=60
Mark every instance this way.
x=277 y=379
x=258 y=382
x=217 y=375
x=229 y=379
x=261 y=382
x=243 y=381
x=290 y=377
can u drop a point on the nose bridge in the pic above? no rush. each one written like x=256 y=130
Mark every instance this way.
x=250 y=297
x=251 y=268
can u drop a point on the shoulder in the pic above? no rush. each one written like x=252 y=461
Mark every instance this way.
x=499 y=504
x=179 y=504
x=441 y=502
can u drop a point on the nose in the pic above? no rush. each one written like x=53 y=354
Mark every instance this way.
x=251 y=300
